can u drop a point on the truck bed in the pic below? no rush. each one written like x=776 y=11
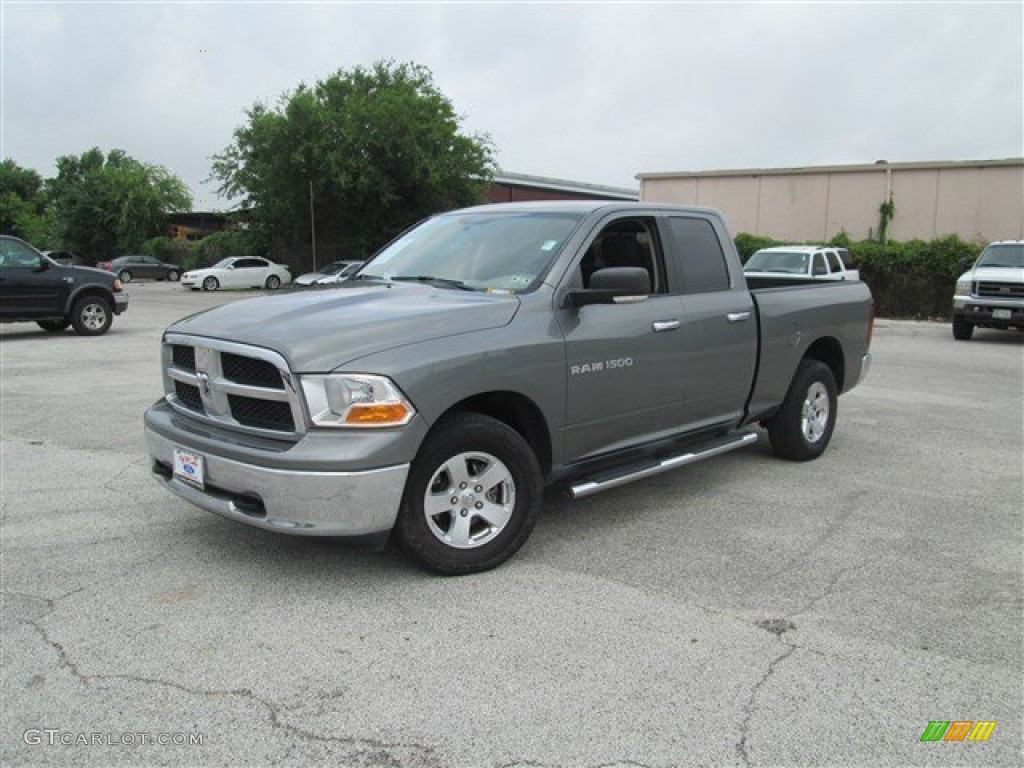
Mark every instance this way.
x=795 y=315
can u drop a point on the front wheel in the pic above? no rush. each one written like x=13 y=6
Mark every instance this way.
x=273 y=283
x=91 y=316
x=124 y=276
x=211 y=284
x=472 y=497
x=962 y=329
x=802 y=428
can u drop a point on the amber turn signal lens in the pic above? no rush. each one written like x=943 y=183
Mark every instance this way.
x=383 y=413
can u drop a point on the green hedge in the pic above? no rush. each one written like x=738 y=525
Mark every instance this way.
x=908 y=280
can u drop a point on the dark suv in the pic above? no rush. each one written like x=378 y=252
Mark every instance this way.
x=127 y=268
x=36 y=288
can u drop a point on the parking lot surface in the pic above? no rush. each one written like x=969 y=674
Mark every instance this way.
x=741 y=611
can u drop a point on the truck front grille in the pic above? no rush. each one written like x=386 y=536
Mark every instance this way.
x=188 y=395
x=1001 y=290
x=264 y=414
x=184 y=357
x=249 y=370
x=235 y=386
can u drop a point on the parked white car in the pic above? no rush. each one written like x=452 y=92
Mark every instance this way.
x=808 y=261
x=335 y=272
x=238 y=272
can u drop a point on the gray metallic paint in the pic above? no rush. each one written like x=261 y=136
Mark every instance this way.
x=443 y=347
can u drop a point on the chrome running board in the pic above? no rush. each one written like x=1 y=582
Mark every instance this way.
x=617 y=477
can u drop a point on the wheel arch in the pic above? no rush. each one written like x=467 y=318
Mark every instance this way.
x=88 y=290
x=829 y=351
x=516 y=411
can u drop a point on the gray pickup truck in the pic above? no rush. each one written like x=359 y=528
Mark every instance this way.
x=487 y=353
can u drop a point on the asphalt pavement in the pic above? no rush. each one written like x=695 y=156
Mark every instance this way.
x=741 y=611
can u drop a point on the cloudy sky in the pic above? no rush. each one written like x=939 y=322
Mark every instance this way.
x=591 y=92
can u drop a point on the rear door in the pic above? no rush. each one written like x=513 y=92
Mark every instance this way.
x=717 y=365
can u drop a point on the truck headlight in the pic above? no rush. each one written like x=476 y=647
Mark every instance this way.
x=963 y=288
x=355 y=400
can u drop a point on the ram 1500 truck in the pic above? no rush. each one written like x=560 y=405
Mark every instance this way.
x=991 y=293
x=490 y=352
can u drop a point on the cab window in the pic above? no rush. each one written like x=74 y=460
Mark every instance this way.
x=627 y=243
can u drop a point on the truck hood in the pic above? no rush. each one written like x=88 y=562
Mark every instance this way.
x=319 y=330
x=996 y=274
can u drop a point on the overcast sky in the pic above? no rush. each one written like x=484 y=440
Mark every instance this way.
x=590 y=92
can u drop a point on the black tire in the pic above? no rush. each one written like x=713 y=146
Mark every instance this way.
x=53 y=326
x=962 y=329
x=802 y=428
x=469 y=445
x=273 y=283
x=173 y=275
x=91 y=316
x=211 y=284
x=124 y=276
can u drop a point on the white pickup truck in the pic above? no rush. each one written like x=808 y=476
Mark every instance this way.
x=801 y=261
x=991 y=293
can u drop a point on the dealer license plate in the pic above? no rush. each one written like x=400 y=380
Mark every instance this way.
x=188 y=466
x=1001 y=314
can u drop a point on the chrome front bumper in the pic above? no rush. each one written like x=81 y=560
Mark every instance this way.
x=304 y=503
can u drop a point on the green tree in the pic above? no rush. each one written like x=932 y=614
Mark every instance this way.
x=102 y=206
x=381 y=148
x=22 y=203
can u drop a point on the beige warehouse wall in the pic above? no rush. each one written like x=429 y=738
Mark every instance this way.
x=980 y=202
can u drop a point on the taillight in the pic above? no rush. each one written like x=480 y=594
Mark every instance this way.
x=871 y=323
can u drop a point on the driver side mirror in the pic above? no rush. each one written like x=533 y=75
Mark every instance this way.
x=614 y=285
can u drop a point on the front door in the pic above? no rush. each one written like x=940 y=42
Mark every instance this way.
x=624 y=360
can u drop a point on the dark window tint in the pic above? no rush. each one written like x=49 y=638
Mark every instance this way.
x=702 y=259
x=819 y=264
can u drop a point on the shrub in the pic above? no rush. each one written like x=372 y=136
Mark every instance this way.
x=168 y=249
x=914 y=279
x=221 y=245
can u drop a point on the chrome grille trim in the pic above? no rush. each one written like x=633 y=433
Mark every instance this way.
x=997 y=290
x=209 y=378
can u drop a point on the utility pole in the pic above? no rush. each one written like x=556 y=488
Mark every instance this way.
x=312 y=223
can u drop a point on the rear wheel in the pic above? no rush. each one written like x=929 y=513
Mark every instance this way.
x=211 y=284
x=91 y=316
x=962 y=329
x=472 y=496
x=173 y=275
x=273 y=283
x=802 y=428
x=53 y=326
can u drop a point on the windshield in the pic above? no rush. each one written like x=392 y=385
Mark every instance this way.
x=223 y=263
x=784 y=262
x=480 y=251
x=1002 y=255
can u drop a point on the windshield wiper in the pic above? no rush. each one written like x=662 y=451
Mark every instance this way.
x=432 y=279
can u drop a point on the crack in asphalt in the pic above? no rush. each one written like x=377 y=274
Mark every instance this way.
x=370 y=752
x=748 y=709
x=830 y=531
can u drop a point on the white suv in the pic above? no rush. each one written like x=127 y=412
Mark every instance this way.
x=811 y=262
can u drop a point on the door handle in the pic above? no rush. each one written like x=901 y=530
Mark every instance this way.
x=665 y=325
x=737 y=317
